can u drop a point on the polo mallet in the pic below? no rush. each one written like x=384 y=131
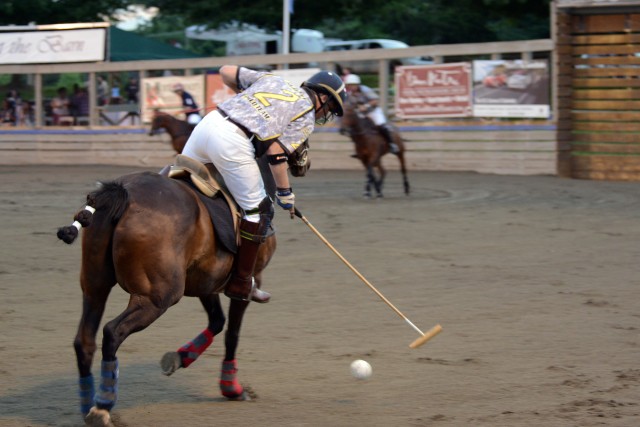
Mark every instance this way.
x=423 y=337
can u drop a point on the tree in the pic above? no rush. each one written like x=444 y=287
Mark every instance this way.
x=23 y=12
x=416 y=22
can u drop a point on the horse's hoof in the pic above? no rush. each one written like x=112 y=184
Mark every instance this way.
x=170 y=362
x=247 y=394
x=367 y=195
x=98 y=418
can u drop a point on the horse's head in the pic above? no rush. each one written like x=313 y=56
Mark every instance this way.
x=158 y=122
x=350 y=118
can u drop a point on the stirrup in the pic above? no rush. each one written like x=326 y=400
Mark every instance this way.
x=393 y=147
x=255 y=294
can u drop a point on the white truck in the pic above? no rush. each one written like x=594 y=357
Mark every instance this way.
x=312 y=41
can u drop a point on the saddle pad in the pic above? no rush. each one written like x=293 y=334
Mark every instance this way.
x=220 y=217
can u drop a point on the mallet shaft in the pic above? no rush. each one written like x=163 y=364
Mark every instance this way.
x=417 y=343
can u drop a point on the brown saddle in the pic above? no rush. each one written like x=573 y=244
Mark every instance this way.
x=223 y=209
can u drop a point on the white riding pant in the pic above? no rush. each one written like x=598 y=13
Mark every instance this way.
x=216 y=140
x=377 y=116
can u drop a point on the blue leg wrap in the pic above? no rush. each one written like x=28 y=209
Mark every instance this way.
x=108 y=393
x=87 y=394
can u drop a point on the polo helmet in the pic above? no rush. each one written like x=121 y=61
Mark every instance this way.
x=352 y=79
x=330 y=84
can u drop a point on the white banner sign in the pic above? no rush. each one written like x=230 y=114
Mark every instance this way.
x=38 y=47
x=515 y=88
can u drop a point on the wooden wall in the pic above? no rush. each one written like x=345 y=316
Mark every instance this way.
x=598 y=63
x=499 y=147
x=476 y=145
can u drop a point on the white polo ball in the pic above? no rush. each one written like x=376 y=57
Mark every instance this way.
x=361 y=369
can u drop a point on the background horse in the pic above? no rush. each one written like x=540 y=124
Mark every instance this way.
x=179 y=130
x=370 y=147
x=153 y=236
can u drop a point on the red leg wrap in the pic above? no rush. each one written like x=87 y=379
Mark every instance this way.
x=229 y=385
x=193 y=349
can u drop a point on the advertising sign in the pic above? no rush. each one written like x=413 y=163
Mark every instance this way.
x=440 y=90
x=217 y=91
x=511 y=88
x=40 y=47
x=157 y=94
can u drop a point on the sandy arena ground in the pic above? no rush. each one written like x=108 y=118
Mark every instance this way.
x=535 y=281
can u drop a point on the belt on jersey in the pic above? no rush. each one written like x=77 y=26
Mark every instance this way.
x=241 y=129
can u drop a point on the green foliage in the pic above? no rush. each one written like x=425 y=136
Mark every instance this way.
x=416 y=22
x=23 y=12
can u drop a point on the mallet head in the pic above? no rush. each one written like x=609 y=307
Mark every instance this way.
x=426 y=337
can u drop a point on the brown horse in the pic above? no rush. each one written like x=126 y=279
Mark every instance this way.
x=179 y=130
x=153 y=236
x=370 y=147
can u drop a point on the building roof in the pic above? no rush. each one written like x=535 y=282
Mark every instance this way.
x=129 y=46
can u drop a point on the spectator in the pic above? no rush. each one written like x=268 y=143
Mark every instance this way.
x=9 y=113
x=60 y=105
x=345 y=72
x=82 y=104
x=73 y=104
x=103 y=91
x=27 y=118
x=132 y=90
x=115 y=91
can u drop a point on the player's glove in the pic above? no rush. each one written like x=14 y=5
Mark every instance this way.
x=286 y=199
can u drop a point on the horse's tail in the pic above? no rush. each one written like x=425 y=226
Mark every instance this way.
x=111 y=199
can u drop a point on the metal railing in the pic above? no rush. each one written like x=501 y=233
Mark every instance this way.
x=327 y=60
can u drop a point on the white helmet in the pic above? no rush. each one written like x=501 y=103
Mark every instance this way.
x=352 y=79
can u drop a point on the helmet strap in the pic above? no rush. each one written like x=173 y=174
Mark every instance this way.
x=324 y=105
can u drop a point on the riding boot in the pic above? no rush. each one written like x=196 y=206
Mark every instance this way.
x=242 y=285
x=386 y=133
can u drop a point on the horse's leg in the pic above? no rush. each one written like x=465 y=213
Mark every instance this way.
x=140 y=313
x=381 y=173
x=371 y=181
x=188 y=353
x=403 y=169
x=85 y=346
x=229 y=385
x=97 y=278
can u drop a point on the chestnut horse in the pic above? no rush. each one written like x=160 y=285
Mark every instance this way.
x=179 y=130
x=152 y=236
x=370 y=146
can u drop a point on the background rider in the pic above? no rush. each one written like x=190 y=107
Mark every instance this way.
x=191 y=109
x=366 y=100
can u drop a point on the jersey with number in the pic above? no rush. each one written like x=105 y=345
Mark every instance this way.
x=271 y=108
x=367 y=95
